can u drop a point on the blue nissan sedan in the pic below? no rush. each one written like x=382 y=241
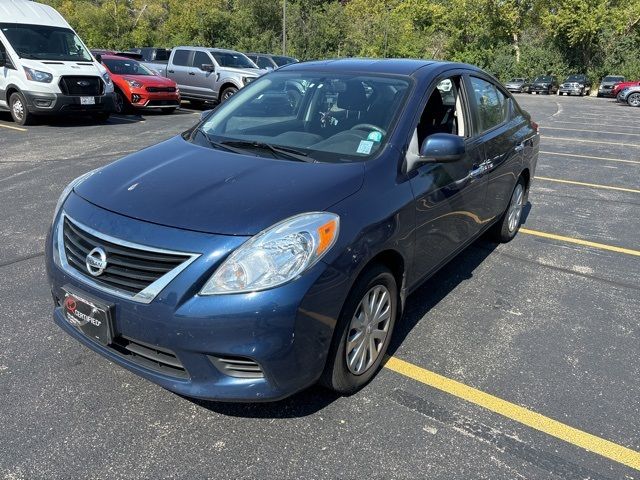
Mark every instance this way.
x=272 y=246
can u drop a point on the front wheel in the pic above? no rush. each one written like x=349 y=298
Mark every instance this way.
x=363 y=332
x=228 y=93
x=634 y=99
x=507 y=227
x=19 y=111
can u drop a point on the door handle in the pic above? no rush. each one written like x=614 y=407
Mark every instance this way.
x=519 y=147
x=191 y=73
x=170 y=71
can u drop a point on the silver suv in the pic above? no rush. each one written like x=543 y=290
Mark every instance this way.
x=207 y=74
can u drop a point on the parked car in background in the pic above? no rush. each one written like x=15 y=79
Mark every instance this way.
x=578 y=84
x=544 y=84
x=607 y=83
x=272 y=245
x=98 y=52
x=517 y=85
x=629 y=95
x=621 y=86
x=45 y=69
x=207 y=74
x=270 y=62
x=153 y=54
x=137 y=87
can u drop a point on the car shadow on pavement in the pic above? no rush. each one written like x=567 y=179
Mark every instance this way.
x=418 y=304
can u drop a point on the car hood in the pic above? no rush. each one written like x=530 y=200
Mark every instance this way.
x=179 y=184
x=149 y=80
x=245 y=71
x=60 y=68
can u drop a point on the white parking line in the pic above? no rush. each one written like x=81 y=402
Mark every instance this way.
x=594 y=124
x=590 y=131
x=590 y=157
x=599 y=142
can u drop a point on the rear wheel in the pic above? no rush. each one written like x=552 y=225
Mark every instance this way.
x=634 y=99
x=507 y=227
x=363 y=332
x=19 y=110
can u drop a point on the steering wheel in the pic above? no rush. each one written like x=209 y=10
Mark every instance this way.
x=369 y=126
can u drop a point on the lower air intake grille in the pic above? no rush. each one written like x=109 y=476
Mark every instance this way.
x=91 y=86
x=150 y=356
x=239 y=367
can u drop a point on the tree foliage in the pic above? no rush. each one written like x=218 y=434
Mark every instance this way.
x=507 y=37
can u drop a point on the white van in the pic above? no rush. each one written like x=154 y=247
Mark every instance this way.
x=45 y=69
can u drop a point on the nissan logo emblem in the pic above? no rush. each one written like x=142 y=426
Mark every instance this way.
x=96 y=261
x=83 y=83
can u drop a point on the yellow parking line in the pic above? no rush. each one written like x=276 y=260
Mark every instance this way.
x=622 y=160
x=578 y=241
x=585 y=130
x=11 y=127
x=593 y=185
x=523 y=415
x=545 y=137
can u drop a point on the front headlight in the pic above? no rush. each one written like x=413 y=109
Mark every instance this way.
x=247 y=80
x=277 y=255
x=37 y=75
x=68 y=189
x=107 y=78
x=134 y=83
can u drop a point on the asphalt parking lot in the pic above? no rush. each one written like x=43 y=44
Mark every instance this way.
x=515 y=361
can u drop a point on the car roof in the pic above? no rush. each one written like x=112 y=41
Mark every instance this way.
x=24 y=11
x=398 y=66
x=207 y=49
x=109 y=56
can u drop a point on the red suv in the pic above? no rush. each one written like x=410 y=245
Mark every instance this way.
x=621 y=86
x=136 y=86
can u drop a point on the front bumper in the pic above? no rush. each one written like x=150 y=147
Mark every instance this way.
x=40 y=103
x=516 y=88
x=539 y=89
x=140 y=98
x=286 y=331
x=605 y=91
x=570 y=90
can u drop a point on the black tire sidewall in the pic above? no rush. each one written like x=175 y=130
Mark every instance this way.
x=27 y=117
x=336 y=375
x=234 y=90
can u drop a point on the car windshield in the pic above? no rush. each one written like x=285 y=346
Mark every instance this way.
x=126 y=67
x=613 y=79
x=39 y=42
x=233 y=59
x=543 y=79
x=325 y=117
x=575 y=78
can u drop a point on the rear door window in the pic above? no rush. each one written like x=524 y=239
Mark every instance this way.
x=181 y=58
x=264 y=63
x=491 y=104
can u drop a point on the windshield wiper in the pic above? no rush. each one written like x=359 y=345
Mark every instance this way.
x=28 y=55
x=219 y=145
x=278 y=150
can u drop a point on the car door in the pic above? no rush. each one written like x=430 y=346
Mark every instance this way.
x=449 y=197
x=180 y=71
x=204 y=82
x=503 y=130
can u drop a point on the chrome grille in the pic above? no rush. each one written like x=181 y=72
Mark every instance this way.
x=131 y=271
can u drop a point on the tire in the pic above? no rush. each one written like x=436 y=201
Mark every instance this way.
x=120 y=103
x=19 y=111
x=633 y=100
x=227 y=93
x=507 y=227
x=167 y=111
x=340 y=374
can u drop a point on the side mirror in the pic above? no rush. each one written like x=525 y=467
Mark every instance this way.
x=98 y=58
x=207 y=67
x=442 y=148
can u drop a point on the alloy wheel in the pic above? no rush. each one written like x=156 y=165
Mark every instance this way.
x=18 y=109
x=515 y=208
x=368 y=329
x=634 y=100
